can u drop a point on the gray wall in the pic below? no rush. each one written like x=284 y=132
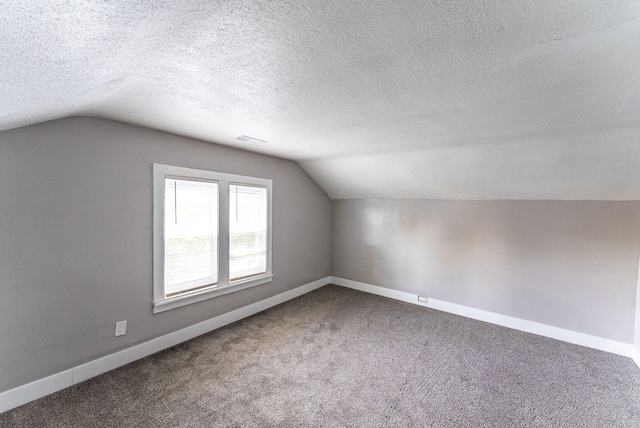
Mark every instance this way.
x=76 y=239
x=567 y=264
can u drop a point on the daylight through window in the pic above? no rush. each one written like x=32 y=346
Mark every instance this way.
x=212 y=234
x=247 y=231
x=190 y=235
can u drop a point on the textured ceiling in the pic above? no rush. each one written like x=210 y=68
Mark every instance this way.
x=377 y=99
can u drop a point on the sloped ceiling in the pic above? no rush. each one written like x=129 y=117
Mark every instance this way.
x=376 y=99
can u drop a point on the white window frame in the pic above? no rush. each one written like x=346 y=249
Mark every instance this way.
x=162 y=303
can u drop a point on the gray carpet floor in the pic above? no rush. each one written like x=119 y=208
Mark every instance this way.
x=341 y=358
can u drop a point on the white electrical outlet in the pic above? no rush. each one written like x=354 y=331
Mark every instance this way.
x=423 y=299
x=121 y=328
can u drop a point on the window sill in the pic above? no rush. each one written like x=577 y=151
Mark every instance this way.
x=187 y=299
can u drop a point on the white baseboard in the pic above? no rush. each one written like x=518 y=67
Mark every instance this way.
x=42 y=387
x=635 y=355
x=570 y=336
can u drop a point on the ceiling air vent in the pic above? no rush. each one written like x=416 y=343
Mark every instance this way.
x=248 y=139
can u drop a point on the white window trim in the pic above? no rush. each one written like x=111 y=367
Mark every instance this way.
x=224 y=286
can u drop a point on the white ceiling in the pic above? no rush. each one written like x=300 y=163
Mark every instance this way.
x=376 y=99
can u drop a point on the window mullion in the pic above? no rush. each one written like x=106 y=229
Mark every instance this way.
x=223 y=233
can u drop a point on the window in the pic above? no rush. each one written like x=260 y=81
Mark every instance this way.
x=212 y=234
x=190 y=235
x=247 y=231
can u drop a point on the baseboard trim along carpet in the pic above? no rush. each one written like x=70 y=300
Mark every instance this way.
x=569 y=336
x=635 y=355
x=43 y=387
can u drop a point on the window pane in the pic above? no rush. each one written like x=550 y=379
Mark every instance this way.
x=247 y=231
x=190 y=235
